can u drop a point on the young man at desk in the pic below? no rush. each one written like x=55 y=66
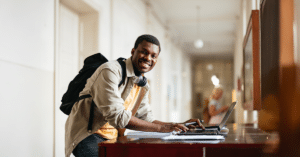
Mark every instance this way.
x=113 y=103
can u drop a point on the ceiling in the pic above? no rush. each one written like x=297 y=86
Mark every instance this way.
x=215 y=20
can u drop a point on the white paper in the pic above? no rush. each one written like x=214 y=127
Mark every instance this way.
x=194 y=137
x=202 y=141
x=172 y=136
x=141 y=134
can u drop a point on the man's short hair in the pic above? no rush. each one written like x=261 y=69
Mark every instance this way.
x=149 y=38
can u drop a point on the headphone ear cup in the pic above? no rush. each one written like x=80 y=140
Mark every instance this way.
x=142 y=81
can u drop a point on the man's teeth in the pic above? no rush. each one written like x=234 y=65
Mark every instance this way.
x=145 y=64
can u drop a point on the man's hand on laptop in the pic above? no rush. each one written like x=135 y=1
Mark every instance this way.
x=193 y=123
x=173 y=127
x=224 y=108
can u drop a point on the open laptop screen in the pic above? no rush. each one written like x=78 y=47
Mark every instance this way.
x=230 y=109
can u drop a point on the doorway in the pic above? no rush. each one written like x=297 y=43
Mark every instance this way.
x=76 y=38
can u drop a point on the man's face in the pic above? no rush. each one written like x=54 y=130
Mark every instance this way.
x=144 y=57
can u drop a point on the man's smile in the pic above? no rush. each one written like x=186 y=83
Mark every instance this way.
x=144 y=64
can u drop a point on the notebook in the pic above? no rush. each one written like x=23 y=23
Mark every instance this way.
x=211 y=130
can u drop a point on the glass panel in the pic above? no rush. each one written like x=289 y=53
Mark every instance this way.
x=249 y=70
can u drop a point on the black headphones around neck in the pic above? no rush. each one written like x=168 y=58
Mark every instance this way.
x=141 y=81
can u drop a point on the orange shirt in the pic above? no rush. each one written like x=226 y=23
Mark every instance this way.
x=109 y=132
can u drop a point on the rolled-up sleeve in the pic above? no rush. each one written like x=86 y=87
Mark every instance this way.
x=144 y=112
x=108 y=99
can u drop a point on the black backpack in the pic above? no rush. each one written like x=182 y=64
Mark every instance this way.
x=91 y=63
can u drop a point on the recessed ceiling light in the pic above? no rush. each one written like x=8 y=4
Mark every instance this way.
x=198 y=44
x=209 y=67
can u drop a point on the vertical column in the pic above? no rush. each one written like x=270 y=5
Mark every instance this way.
x=289 y=91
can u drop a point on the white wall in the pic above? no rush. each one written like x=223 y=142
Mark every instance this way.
x=129 y=22
x=26 y=65
x=241 y=115
x=238 y=61
x=186 y=88
x=105 y=28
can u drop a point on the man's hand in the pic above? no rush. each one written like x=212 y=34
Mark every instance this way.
x=199 y=124
x=173 y=127
x=224 y=108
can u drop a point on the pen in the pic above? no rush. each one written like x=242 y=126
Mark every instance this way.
x=193 y=123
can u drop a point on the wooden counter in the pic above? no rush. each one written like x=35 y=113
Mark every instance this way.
x=242 y=140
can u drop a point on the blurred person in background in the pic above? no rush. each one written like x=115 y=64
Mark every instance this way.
x=215 y=109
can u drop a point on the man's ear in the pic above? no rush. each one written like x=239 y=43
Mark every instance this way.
x=132 y=51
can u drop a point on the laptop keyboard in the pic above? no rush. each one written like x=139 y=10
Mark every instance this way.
x=199 y=132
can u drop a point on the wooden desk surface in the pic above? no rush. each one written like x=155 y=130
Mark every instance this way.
x=242 y=140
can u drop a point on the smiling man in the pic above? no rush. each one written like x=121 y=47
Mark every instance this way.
x=113 y=104
x=144 y=55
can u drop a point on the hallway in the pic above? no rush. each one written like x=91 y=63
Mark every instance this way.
x=44 y=44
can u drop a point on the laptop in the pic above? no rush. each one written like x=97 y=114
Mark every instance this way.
x=211 y=130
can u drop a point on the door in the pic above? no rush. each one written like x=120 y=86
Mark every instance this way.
x=66 y=68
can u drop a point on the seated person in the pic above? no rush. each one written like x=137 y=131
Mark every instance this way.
x=215 y=108
x=205 y=115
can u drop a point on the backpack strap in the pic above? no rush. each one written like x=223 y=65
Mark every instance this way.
x=90 y=124
x=91 y=118
x=123 y=65
x=138 y=101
